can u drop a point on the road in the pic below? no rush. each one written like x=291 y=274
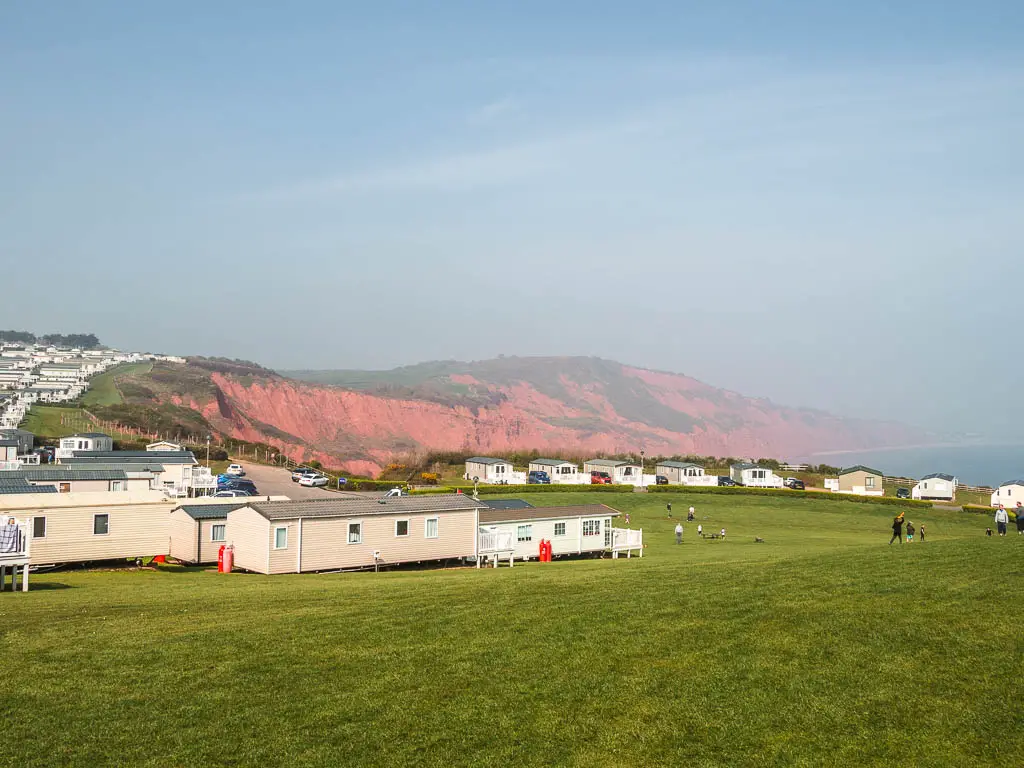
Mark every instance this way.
x=274 y=481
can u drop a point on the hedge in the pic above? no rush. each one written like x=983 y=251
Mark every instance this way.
x=373 y=485
x=978 y=509
x=819 y=495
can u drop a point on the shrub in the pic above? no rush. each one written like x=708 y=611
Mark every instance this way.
x=373 y=485
x=822 y=495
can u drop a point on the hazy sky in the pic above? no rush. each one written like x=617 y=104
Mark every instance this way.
x=823 y=205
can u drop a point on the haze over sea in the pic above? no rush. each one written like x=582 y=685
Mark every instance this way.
x=972 y=464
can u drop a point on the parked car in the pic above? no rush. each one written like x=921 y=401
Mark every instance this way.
x=538 y=477
x=301 y=472
x=794 y=484
x=600 y=478
x=239 y=485
x=231 y=494
x=726 y=482
x=660 y=480
x=313 y=481
x=902 y=493
x=235 y=470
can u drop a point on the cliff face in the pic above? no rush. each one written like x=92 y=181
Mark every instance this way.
x=549 y=404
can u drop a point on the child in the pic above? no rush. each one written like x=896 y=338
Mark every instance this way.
x=988 y=531
x=700 y=530
x=669 y=508
x=689 y=515
x=627 y=518
x=921 y=531
x=910 y=531
x=723 y=533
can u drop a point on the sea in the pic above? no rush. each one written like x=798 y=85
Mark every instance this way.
x=987 y=465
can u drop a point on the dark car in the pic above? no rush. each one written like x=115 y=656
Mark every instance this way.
x=538 y=477
x=726 y=482
x=238 y=485
x=660 y=480
x=794 y=484
x=902 y=493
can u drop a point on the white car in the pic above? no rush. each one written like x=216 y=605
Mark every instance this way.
x=313 y=481
x=235 y=469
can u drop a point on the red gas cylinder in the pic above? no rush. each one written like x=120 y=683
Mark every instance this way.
x=160 y=559
x=458 y=491
x=549 y=550
x=229 y=558
x=220 y=559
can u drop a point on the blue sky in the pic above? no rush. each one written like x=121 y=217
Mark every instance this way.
x=817 y=204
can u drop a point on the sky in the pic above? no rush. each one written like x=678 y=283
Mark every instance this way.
x=814 y=202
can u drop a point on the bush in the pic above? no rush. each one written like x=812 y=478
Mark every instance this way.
x=491 y=490
x=373 y=485
x=978 y=509
x=822 y=495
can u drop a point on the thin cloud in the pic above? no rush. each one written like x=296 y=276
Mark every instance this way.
x=491 y=112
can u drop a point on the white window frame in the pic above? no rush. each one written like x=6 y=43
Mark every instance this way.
x=557 y=526
x=213 y=532
x=43 y=518
x=278 y=528
x=95 y=518
x=437 y=527
x=869 y=482
x=524 y=533
x=348 y=532
x=591 y=527
x=117 y=485
x=407 y=528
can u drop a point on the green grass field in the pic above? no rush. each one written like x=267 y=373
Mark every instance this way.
x=822 y=646
x=56 y=422
x=103 y=388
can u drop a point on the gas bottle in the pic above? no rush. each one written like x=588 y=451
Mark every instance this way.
x=229 y=558
x=220 y=559
x=540 y=551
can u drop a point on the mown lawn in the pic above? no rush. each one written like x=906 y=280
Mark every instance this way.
x=52 y=421
x=103 y=388
x=821 y=646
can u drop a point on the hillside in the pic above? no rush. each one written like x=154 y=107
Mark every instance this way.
x=361 y=420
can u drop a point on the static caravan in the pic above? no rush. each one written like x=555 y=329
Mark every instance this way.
x=558 y=471
x=488 y=470
x=754 y=476
x=178 y=467
x=936 y=487
x=198 y=531
x=861 y=481
x=1008 y=494
x=620 y=472
x=163 y=445
x=685 y=473
x=349 y=533
x=89 y=527
x=571 y=530
x=87 y=442
x=25 y=439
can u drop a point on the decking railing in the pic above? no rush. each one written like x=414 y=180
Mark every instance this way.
x=626 y=540
x=496 y=541
x=15 y=551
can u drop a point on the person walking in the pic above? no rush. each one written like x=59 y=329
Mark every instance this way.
x=690 y=514
x=921 y=531
x=700 y=531
x=627 y=518
x=1019 y=511
x=910 y=531
x=897 y=529
x=1002 y=518
x=679 y=533
x=669 y=508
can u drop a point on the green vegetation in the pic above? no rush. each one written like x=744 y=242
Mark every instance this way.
x=80 y=340
x=103 y=389
x=46 y=421
x=822 y=645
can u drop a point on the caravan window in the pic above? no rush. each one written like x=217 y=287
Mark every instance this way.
x=591 y=527
x=401 y=527
x=559 y=529
x=38 y=527
x=430 y=528
x=355 y=533
x=281 y=538
x=218 y=532
x=100 y=525
x=524 y=533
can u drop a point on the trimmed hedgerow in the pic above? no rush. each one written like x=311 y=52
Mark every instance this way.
x=816 y=495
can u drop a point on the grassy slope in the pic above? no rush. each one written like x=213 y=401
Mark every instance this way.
x=821 y=646
x=103 y=388
x=56 y=422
